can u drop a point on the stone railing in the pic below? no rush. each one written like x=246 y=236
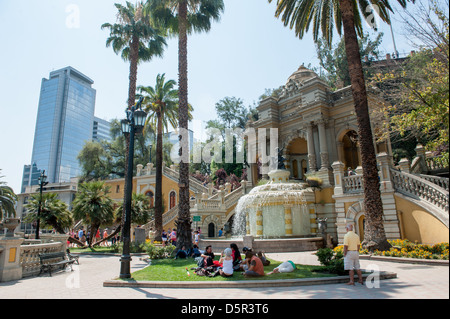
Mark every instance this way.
x=29 y=256
x=196 y=186
x=353 y=184
x=416 y=187
x=435 y=164
x=209 y=205
x=167 y=218
x=233 y=197
x=440 y=181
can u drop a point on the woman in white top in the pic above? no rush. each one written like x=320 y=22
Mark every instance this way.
x=227 y=261
x=287 y=266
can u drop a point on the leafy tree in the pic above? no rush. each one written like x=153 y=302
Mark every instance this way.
x=334 y=59
x=346 y=15
x=417 y=92
x=182 y=17
x=93 y=206
x=54 y=212
x=7 y=200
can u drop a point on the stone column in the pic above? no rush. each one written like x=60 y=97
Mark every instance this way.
x=420 y=152
x=323 y=146
x=311 y=152
x=259 y=223
x=288 y=219
x=10 y=268
x=338 y=171
x=385 y=173
x=404 y=165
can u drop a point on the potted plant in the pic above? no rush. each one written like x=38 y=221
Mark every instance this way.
x=313 y=180
x=7 y=211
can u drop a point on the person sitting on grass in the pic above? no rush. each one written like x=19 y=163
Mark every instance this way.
x=195 y=252
x=182 y=253
x=287 y=266
x=227 y=261
x=256 y=268
x=236 y=254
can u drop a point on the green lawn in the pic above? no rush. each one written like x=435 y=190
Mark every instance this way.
x=175 y=270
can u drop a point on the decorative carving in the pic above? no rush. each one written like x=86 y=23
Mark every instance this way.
x=312 y=162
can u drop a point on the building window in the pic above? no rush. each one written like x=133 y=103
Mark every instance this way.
x=173 y=197
x=150 y=196
x=117 y=188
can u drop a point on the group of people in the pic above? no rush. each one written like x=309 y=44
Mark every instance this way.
x=231 y=262
x=83 y=236
x=169 y=237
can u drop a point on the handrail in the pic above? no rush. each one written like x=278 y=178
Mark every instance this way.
x=416 y=187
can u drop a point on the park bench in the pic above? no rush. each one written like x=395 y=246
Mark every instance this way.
x=72 y=257
x=50 y=261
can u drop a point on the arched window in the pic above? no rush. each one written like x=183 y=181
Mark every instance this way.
x=150 y=195
x=172 y=197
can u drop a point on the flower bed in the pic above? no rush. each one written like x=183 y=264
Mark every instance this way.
x=406 y=249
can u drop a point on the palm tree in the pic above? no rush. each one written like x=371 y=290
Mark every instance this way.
x=54 y=212
x=93 y=206
x=141 y=213
x=323 y=14
x=161 y=102
x=7 y=200
x=136 y=39
x=182 y=17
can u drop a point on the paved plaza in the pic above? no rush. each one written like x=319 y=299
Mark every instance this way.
x=414 y=281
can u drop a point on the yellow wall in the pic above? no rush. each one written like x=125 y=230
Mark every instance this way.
x=117 y=186
x=419 y=225
x=298 y=146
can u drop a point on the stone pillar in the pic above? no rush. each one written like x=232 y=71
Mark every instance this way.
x=311 y=151
x=420 y=152
x=10 y=268
x=385 y=173
x=139 y=235
x=288 y=220
x=139 y=169
x=323 y=146
x=259 y=223
x=338 y=170
x=404 y=165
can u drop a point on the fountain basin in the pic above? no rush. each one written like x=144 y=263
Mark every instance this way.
x=273 y=245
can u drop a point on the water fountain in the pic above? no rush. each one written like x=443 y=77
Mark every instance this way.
x=278 y=216
x=277 y=209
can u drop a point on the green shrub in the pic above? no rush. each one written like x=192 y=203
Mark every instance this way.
x=159 y=252
x=332 y=260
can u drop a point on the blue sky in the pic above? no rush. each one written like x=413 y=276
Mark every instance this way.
x=248 y=51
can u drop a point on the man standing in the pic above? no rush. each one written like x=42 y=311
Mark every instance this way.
x=351 y=254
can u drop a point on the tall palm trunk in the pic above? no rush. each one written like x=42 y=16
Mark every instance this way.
x=134 y=58
x=158 y=187
x=374 y=234
x=184 y=218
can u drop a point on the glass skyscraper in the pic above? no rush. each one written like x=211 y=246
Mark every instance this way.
x=64 y=123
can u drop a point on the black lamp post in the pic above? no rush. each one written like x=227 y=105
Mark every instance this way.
x=42 y=182
x=133 y=124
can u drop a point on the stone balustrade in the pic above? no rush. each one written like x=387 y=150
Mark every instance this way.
x=414 y=186
x=20 y=258
x=29 y=256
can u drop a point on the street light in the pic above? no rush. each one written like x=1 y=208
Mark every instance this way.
x=133 y=124
x=42 y=182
